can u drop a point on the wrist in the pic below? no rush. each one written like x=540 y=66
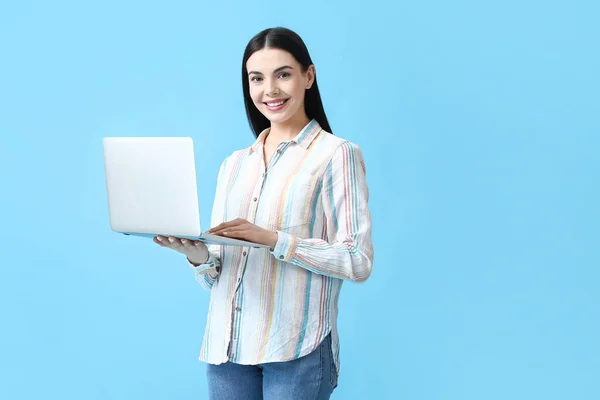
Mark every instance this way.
x=196 y=263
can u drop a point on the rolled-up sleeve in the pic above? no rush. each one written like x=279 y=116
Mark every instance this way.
x=206 y=274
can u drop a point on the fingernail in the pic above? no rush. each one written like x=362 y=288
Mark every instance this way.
x=159 y=239
x=171 y=240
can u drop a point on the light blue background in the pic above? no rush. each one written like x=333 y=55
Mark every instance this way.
x=479 y=125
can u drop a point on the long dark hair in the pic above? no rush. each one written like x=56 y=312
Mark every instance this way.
x=290 y=41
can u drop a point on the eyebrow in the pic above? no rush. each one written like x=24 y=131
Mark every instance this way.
x=275 y=71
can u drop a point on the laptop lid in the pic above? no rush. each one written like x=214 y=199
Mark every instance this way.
x=151 y=185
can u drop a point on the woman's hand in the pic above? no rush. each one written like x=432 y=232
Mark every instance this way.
x=242 y=229
x=195 y=250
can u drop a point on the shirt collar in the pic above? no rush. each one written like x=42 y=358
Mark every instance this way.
x=304 y=138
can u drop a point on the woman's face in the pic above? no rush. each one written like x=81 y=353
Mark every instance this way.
x=277 y=84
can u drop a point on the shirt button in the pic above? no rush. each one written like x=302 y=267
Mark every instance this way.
x=239 y=280
x=278 y=151
x=238 y=309
x=255 y=199
x=244 y=253
x=281 y=257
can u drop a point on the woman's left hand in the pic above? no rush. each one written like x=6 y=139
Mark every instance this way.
x=242 y=229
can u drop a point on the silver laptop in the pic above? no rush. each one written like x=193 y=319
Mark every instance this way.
x=152 y=190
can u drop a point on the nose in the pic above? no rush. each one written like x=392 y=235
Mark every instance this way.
x=271 y=87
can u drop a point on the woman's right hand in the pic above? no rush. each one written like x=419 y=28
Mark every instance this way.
x=195 y=250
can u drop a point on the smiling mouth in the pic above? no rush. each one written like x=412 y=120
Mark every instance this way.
x=277 y=103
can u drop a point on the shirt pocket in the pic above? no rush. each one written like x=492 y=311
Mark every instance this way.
x=295 y=207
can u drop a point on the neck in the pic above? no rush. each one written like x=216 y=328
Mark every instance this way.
x=287 y=130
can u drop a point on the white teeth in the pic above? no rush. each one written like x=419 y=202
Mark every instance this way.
x=275 y=104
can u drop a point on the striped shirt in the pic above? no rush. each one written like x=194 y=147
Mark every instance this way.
x=278 y=304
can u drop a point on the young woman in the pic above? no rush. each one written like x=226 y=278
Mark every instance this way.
x=272 y=323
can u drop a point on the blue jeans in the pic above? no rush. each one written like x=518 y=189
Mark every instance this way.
x=312 y=377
